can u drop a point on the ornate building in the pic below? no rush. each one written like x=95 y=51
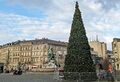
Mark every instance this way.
x=99 y=47
x=116 y=52
x=31 y=54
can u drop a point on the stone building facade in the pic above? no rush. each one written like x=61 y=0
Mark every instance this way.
x=116 y=52
x=99 y=47
x=4 y=56
x=31 y=54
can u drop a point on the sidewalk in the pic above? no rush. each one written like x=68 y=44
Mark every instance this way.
x=39 y=72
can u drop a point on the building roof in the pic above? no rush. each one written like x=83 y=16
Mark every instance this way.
x=116 y=39
x=97 y=42
x=38 y=41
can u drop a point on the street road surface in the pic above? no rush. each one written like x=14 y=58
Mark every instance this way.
x=33 y=77
x=27 y=78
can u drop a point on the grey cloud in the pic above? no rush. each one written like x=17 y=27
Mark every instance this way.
x=39 y=4
x=51 y=4
x=62 y=11
x=108 y=4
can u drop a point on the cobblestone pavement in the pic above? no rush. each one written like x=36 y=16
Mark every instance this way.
x=29 y=77
x=26 y=78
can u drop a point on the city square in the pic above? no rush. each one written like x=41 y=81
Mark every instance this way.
x=59 y=41
x=36 y=77
x=27 y=78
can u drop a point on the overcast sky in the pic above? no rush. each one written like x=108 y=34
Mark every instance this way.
x=30 y=19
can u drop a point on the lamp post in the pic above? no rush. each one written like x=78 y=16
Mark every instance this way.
x=114 y=69
x=114 y=61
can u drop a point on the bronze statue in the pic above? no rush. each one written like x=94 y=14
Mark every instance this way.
x=50 y=55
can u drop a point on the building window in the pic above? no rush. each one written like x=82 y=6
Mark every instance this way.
x=37 y=48
x=114 y=45
x=13 y=54
x=117 y=66
x=26 y=48
x=115 y=52
x=40 y=66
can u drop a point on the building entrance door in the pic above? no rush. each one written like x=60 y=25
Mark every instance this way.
x=1 y=67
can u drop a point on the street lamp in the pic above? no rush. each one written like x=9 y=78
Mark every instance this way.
x=115 y=59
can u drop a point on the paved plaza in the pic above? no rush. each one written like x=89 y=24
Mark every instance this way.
x=26 y=78
x=33 y=77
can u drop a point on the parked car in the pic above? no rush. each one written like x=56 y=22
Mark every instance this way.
x=7 y=71
x=17 y=72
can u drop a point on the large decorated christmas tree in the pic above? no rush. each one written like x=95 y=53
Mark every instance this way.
x=78 y=58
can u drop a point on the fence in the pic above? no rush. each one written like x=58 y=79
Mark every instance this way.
x=56 y=77
x=86 y=77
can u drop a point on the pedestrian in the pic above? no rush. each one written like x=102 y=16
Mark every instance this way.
x=110 y=77
x=100 y=72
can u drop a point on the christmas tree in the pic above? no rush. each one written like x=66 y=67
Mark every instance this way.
x=78 y=58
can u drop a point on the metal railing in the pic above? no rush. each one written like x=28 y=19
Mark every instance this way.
x=56 y=77
x=85 y=77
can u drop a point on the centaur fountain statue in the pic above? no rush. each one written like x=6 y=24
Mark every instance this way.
x=51 y=62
